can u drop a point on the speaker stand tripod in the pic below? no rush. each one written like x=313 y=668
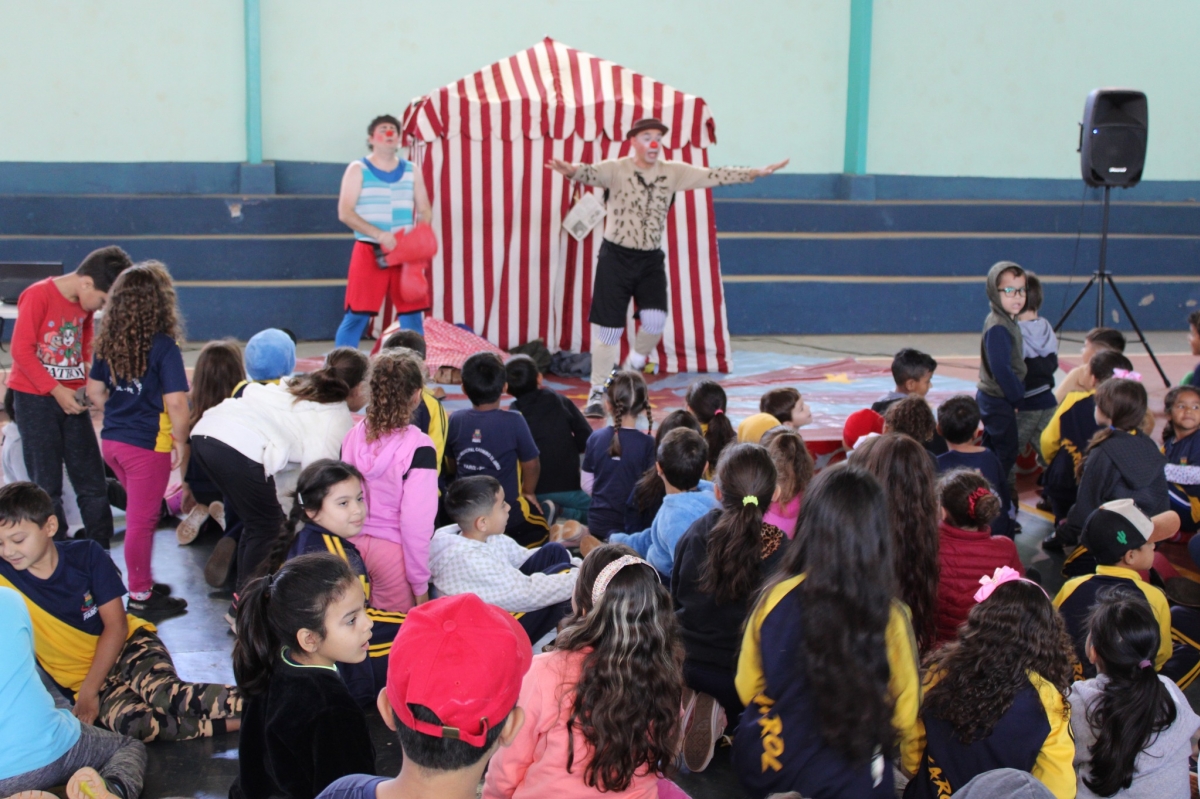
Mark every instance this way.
x=1101 y=277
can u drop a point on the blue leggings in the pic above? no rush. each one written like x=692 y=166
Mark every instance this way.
x=354 y=324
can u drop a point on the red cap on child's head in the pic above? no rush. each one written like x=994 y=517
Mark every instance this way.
x=464 y=660
x=859 y=424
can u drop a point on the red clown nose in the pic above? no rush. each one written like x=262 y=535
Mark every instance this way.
x=653 y=145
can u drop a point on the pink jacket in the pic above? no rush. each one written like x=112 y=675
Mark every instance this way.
x=400 y=472
x=535 y=765
x=784 y=516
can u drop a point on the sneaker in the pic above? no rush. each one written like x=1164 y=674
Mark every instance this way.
x=96 y=786
x=635 y=361
x=702 y=731
x=1053 y=543
x=594 y=408
x=220 y=562
x=549 y=511
x=216 y=511
x=189 y=528
x=157 y=607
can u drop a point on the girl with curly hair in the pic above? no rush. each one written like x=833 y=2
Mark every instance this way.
x=905 y=470
x=602 y=711
x=138 y=379
x=795 y=467
x=828 y=667
x=996 y=697
x=399 y=467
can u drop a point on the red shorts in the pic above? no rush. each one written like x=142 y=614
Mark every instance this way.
x=367 y=285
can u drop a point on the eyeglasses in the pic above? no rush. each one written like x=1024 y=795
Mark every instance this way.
x=1010 y=291
x=1185 y=406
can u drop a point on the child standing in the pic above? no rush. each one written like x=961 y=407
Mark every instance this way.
x=996 y=697
x=1002 y=362
x=111 y=664
x=138 y=380
x=617 y=456
x=601 y=710
x=720 y=564
x=399 y=467
x=682 y=459
x=474 y=556
x=1040 y=350
x=794 y=468
x=490 y=441
x=302 y=729
x=706 y=401
x=1182 y=450
x=958 y=421
x=561 y=433
x=827 y=668
x=967 y=549
x=51 y=349
x=1133 y=727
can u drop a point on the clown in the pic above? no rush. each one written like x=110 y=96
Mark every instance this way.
x=639 y=191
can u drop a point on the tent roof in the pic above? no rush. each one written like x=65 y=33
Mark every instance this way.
x=555 y=91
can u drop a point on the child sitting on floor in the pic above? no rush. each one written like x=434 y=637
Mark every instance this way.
x=913 y=417
x=913 y=372
x=472 y=556
x=706 y=401
x=489 y=441
x=778 y=407
x=958 y=421
x=794 y=468
x=561 y=433
x=1182 y=450
x=303 y=729
x=1121 y=538
x=648 y=493
x=682 y=459
x=1096 y=340
x=399 y=467
x=111 y=664
x=430 y=416
x=996 y=696
x=602 y=711
x=967 y=548
x=451 y=699
x=270 y=356
x=616 y=456
x=42 y=746
x=1133 y=727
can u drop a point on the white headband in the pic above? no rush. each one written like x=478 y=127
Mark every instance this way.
x=610 y=571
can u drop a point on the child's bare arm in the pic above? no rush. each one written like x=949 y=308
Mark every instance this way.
x=108 y=648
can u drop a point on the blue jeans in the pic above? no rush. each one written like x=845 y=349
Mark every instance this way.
x=354 y=324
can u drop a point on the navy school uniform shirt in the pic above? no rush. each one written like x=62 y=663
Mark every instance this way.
x=134 y=412
x=614 y=477
x=355 y=786
x=494 y=443
x=987 y=464
x=561 y=433
x=1183 y=477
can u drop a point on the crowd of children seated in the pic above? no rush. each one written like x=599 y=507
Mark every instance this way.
x=536 y=608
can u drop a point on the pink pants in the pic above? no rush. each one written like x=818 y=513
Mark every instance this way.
x=144 y=474
x=384 y=560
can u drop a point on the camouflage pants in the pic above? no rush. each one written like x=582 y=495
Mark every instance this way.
x=144 y=698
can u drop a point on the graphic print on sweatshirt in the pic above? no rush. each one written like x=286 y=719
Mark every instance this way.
x=61 y=349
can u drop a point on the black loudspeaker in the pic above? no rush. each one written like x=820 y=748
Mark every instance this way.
x=1112 y=137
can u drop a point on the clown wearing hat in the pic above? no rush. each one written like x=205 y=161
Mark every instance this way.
x=639 y=190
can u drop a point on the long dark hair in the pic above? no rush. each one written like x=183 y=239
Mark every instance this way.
x=344 y=369
x=312 y=486
x=732 y=567
x=648 y=491
x=1134 y=706
x=794 y=465
x=905 y=470
x=219 y=369
x=627 y=699
x=627 y=396
x=141 y=304
x=1124 y=402
x=1169 y=402
x=706 y=400
x=843 y=546
x=273 y=609
x=1013 y=632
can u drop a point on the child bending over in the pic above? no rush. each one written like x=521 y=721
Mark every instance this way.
x=113 y=665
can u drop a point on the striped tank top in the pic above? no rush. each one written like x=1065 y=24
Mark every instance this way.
x=386 y=199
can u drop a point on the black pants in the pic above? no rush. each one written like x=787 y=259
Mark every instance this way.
x=553 y=558
x=252 y=495
x=999 y=429
x=52 y=439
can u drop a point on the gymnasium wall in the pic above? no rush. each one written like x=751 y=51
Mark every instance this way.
x=966 y=89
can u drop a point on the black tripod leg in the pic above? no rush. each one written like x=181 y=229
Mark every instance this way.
x=1137 y=330
x=1078 y=299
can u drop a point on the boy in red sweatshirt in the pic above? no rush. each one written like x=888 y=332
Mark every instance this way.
x=51 y=352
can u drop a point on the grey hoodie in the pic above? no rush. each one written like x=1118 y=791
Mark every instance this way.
x=994 y=379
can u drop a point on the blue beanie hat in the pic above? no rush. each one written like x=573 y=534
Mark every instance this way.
x=270 y=355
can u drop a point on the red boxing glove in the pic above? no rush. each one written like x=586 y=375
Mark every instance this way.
x=418 y=244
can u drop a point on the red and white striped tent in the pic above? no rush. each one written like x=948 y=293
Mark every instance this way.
x=505 y=267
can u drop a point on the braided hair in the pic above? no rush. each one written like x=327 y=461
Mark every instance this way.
x=627 y=396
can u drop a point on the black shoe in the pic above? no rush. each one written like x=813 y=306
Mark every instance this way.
x=1053 y=543
x=1015 y=528
x=162 y=589
x=1044 y=505
x=157 y=607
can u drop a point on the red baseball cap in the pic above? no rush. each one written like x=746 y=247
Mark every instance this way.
x=859 y=424
x=461 y=658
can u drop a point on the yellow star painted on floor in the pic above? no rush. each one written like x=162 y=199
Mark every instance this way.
x=841 y=377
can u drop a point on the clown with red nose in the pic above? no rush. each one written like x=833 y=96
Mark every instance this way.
x=640 y=189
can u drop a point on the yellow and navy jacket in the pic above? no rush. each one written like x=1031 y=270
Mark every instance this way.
x=65 y=609
x=1183 y=478
x=1077 y=597
x=1034 y=735
x=1184 y=665
x=430 y=419
x=1066 y=437
x=779 y=746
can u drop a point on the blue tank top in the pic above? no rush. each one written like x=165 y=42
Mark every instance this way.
x=386 y=199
